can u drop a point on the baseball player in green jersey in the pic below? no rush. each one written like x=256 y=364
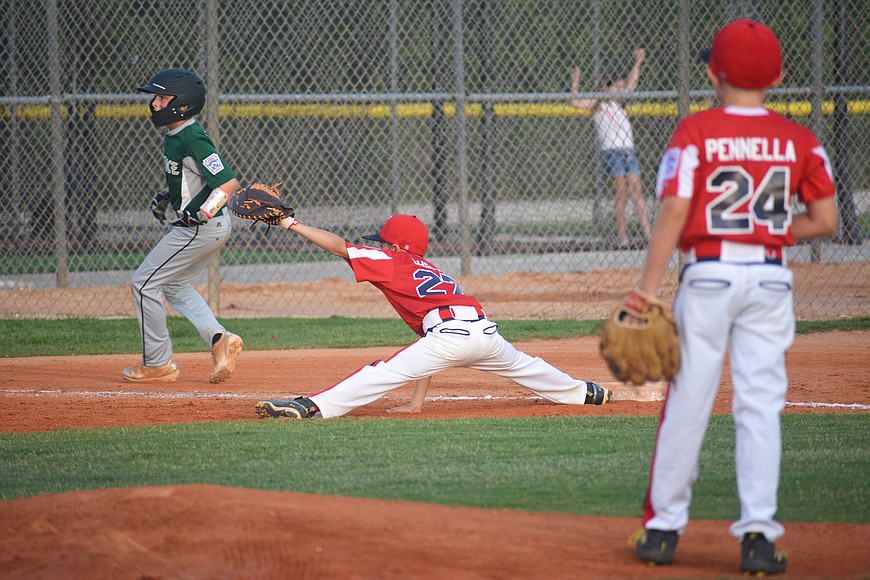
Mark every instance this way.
x=198 y=184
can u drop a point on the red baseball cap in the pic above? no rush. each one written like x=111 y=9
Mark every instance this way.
x=406 y=231
x=745 y=54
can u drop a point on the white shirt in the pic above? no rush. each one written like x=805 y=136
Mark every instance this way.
x=612 y=125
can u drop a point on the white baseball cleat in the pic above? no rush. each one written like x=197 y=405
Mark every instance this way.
x=223 y=356
x=162 y=374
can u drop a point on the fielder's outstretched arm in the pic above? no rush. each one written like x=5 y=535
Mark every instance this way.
x=330 y=242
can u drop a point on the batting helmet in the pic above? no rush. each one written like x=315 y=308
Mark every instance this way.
x=186 y=88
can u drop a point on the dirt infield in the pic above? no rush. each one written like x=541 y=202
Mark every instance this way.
x=201 y=531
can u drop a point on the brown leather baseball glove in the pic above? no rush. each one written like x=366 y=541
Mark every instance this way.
x=262 y=203
x=640 y=342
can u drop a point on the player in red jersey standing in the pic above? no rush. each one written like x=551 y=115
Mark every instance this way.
x=453 y=327
x=728 y=184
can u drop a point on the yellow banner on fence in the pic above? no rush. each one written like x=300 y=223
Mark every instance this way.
x=416 y=110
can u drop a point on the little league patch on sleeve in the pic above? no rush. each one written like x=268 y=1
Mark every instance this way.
x=213 y=163
x=670 y=162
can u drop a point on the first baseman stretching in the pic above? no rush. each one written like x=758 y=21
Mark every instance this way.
x=454 y=330
x=199 y=183
x=728 y=184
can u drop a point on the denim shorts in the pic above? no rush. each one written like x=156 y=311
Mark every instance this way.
x=620 y=162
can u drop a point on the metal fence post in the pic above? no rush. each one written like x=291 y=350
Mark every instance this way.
x=461 y=140
x=684 y=98
x=844 y=33
x=598 y=176
x=817 y=98
x=212 y=122
x=437 y=37
x=685 y=59
x=61 y=251
x=14 y=168
x=489 y=193
x=394 y=109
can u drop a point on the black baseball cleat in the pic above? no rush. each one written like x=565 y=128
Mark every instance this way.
x=760 y=557
x=596 y=394
x=298 y=408
x=655 y=547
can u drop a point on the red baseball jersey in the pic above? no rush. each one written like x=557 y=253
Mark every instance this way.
x=742 y=169
x=412 y=285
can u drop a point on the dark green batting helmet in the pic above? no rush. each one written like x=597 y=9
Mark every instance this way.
x=187 y=88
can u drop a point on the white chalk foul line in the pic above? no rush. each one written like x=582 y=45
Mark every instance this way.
x=119 y=394
x=831 y=405
x=201 y=395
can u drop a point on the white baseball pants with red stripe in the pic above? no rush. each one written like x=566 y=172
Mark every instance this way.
x=456 y=343
x=750 y=307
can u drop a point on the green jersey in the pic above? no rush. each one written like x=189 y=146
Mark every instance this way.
x=193 y=166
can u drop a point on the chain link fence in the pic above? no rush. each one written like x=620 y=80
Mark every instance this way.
x=457 y=111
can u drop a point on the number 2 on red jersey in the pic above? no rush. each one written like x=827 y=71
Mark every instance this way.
x=741 y=206
x=435 y=283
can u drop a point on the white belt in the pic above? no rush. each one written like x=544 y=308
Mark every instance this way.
x=444 y=314
x=737 y=253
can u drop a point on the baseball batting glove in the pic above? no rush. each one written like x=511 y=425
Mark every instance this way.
x=159 y=204
x=261 y=203
x=187 y=218
x=640 y=342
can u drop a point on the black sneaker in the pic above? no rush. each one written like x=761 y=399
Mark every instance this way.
x=298 y=408
x=758 y=556
x=656 y=546
x=596 y=394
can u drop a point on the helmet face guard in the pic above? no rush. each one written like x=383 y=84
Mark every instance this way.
x=186 y=89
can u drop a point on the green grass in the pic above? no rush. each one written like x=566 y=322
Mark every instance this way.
x=72 y=336
x=579 y=465
x=44 y=262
